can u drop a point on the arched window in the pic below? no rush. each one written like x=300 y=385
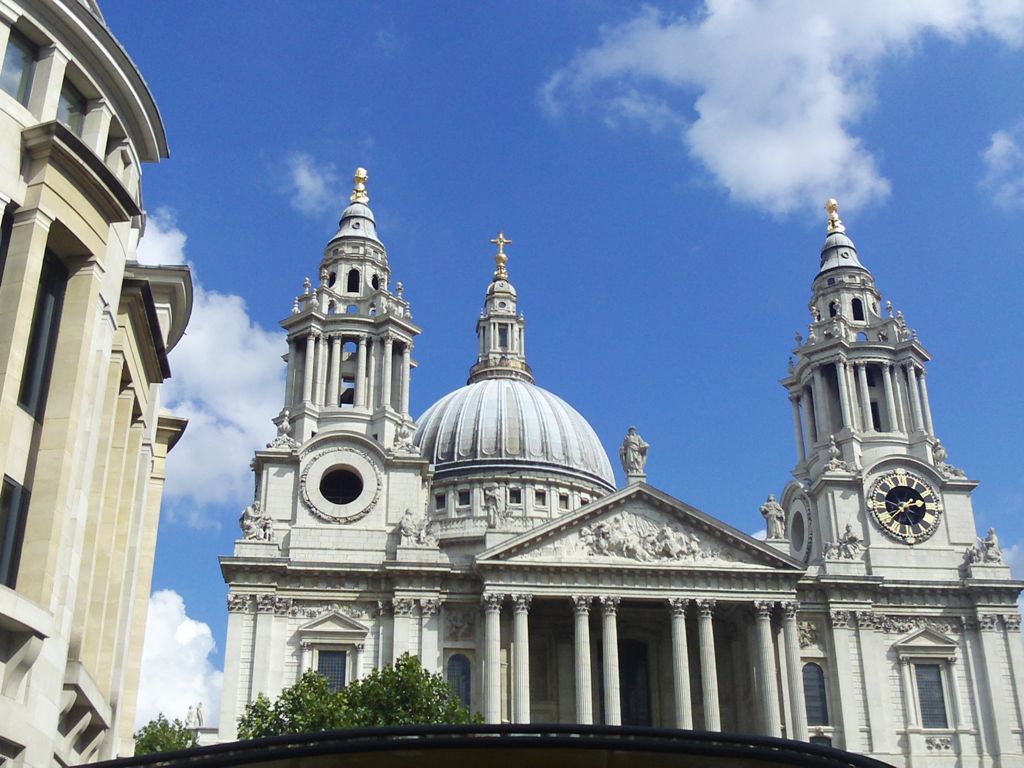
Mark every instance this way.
x=458 y=674
x=833 y=309
x=375 y=282
x=332 y=278
x=858 y=309
x=332 y=308
x=814 y=695
x=352 y=281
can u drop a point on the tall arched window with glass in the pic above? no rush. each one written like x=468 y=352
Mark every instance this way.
x=458 y=674
x=814 y=695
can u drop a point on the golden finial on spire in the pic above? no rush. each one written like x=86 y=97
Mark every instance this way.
x=359 y=193
x=501 y=258
x=835 y=224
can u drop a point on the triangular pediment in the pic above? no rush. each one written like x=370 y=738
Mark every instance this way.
x=333 y=625
x=639 y=526
x=926 y=641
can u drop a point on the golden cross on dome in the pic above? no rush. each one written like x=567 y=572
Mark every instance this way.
x=501 y=258
x=835 y=224
x=359 y=192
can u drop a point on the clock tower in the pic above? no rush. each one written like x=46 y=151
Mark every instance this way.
x=873 y=491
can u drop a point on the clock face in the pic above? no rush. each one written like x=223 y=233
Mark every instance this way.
x=905 y=506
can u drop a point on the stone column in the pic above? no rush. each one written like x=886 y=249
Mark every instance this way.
x=822 y=420
x=293 y=366
x=890 y=399
x=844 y=395
x=584 y=692
x=335 y=374
x=357 y=661
x=404 y=609
x=865 y=397
x=806 y=405
x=794 y=672
x=385 y=611
x=521 y=658
x=680 y=663
x=766 y=668
x=925 y=405
x=385 y=384
x=371 y=376
x=320 y=382
x=429 y=651
x=798 y=428
x=47 y=78
x=708 y=666
x=307 y=656
x=492 y=657
x=610 y=645
x=406 y=371
x=360 y=393
x=307 y=369
x=915 y=395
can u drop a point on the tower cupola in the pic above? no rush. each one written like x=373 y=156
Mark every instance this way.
x=501 y=331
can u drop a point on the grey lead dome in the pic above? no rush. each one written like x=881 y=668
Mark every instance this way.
x=510 y=422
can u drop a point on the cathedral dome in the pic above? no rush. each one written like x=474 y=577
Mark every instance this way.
x=510 y=423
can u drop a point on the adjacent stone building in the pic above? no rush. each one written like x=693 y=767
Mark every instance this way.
x=84 y=335
x=488 y=538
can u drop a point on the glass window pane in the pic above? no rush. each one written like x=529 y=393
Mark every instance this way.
x=16 y=74
x=331 y=664
x=13 y=503
x=35 y=378
x=71 y=108
x=929 y=692
x=458 y=674
x=814 y=695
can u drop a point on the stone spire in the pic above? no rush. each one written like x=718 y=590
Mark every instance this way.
x=501 y=351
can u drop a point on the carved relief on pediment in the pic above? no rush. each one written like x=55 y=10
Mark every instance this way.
x=630 y=536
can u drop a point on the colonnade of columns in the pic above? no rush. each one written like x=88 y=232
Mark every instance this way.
x=321 y=370
x=766 y=666
x=906 y=405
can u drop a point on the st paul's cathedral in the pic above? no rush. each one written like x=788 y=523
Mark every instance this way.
x=489 y=539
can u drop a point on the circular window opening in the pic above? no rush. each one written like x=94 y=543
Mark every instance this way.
x=797 y=532
x=341 y=486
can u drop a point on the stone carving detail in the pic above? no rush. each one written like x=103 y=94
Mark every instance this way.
x=835 y=462
x=338 y=453
x=637 y=538
x=846 y=547
x=839 y=619
x=255 y=525
x=938 y=743
x=677 y=605
x=385 y=608
x=633 y=453
x=404 y=606
x=494 y=509
x=458 y=624
x=988 y=622
x=763 y=608
x=284 y=437
x=773 y=517
x=581 y=604
x=429 y=608
x=313 y=610
x=521 y=602
x=706 y=607
x=403 y=439
x=265 y=603
x=790 y=608
x=238 y=602
x=940 y=456
x=492 y=601
x=417 y=531
x=898 y=625
x=867 y=619
x=282 y=605
x=1012 y=622
x=610 y=605
x=986 y=552
x=196 y=717
x=903 y=333
x=807 y=631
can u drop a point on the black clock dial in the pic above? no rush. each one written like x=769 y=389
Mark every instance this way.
x=905 y=506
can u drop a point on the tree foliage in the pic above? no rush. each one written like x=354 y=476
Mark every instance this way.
x=163 y=735
x=403 y=694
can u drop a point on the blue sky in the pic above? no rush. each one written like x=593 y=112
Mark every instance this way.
x=661 y=171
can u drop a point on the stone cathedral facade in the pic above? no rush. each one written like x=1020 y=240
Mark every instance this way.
x=488 y=538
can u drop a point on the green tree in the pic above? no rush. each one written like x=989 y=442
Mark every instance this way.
x=405 y=694
x=162 y=735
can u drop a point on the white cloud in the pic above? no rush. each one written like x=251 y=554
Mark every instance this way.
x=760 y=535
x=227 y=379
x=1004 y=167
x=176 y=669
x=765 y=94
x=313 y=188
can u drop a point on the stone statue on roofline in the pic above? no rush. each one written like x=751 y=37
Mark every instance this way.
x=774 y=518
x=633 y=455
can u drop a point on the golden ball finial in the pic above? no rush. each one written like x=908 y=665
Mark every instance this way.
x=501 y=258
x=835 y=224
x=359 y=191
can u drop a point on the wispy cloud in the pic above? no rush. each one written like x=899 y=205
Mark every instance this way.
x=313 y=188
x=229 y=415
x=176 y=669
x=765 y=95
x=1004 y=167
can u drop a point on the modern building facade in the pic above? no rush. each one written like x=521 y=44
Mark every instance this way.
x=84 y=335
x=488 y=537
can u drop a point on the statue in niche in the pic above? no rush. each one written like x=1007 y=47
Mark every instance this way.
x=415 y=530
x=846 y=547
x=493 y=508
x=255 y=525
x=633 y=453
x=774 y=518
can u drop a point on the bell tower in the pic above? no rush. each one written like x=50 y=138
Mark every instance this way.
x=350 y=338
x=873 y=488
